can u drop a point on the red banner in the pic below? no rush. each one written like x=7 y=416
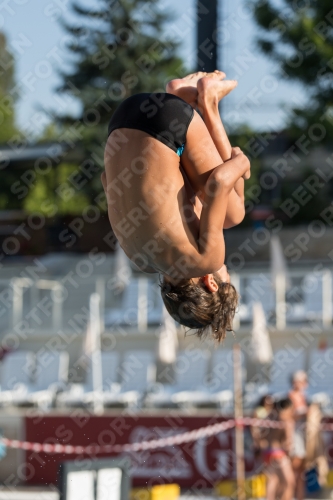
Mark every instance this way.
x=198 y=465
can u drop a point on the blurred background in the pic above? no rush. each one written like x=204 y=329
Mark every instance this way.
x=85 y=342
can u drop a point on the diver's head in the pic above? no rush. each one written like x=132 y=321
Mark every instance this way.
x=203 y=302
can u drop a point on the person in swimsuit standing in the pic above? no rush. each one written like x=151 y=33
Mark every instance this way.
x=276 y=445
x=173 y=183
x=298 y=397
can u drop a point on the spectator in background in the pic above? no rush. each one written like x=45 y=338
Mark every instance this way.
x=264 y=407
x=298 y=452
x=316 y=463
x=276 y=445
x=262 y=410
x=308 y=447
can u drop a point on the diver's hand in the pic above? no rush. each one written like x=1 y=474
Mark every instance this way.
x=225 y=176
x=238 y=153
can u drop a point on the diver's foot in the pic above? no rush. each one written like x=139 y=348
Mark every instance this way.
x=186 y=88
x=192 y=80
x=188 y=81
x=212 y=89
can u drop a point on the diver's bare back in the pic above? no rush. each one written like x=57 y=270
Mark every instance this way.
x=149 y=205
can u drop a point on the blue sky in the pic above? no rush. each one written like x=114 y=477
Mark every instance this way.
x=37 y=41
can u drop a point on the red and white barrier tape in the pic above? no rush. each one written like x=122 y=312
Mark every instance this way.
x=258 y=422
x=186 y=437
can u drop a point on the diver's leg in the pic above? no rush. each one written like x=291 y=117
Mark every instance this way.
x=199 y=153
x=210 y=92
x=186 y=88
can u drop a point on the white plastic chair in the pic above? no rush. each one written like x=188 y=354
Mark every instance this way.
x=244 y=310
x=223 y=370
x=191 y=370
x=320 y=372
x=83 y=394
x=260 y=288
x=51 y=375
x=51 y=369
x=219 y=390
x=16 y=376
x=137 y=373
x=110 y=364
x=155 y=303
x=17 y=368
x=127 y=313
x=313 y=296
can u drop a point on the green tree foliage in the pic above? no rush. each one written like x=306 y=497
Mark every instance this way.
x=45 y=187
x=7 y=81
x=119 y=48
x=298 y=35
x=242 y=138
x=7 y=120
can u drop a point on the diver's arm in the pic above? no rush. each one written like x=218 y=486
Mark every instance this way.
x=216 y=199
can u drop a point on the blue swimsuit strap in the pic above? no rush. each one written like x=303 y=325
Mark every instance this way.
x=180 y=150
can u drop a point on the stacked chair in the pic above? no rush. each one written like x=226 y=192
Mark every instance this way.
x=137 y=373
x=81 y=395
x=190 y=375
x=124 y=383
x=199 y=378
x=128 y=311
x=194 y=385
x=33 y=380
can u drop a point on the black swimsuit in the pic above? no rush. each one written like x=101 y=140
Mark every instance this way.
x=163 y=116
